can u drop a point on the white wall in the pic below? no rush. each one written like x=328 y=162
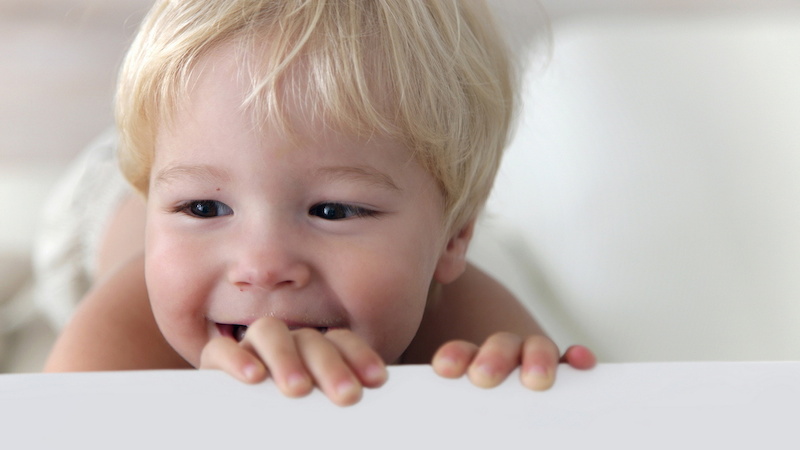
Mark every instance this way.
x=656 y=179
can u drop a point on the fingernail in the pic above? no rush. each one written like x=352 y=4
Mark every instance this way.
x=375 y=373
x=447 y=362
x=249 y=372
x=486 y=371
x=536 y=371
x=483 y=376
x=347 y=389
x=537 y=377
x=297 y=382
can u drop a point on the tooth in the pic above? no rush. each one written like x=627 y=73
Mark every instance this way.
x=239 y=331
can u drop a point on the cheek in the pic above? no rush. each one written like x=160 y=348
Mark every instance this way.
x=176 y=285
x=386 y=297
x=174 y=263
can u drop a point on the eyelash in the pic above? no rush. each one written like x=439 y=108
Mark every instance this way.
x=189 y=208
x=328 y=211
x=322 y=210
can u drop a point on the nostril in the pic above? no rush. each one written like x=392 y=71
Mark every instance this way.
x=242 y=286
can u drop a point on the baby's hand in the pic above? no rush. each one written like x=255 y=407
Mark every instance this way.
x=487 y=366
x=340 y=363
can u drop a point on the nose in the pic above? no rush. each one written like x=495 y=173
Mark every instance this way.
x=268 y=257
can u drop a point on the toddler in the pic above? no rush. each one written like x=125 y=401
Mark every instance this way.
x=312 y=171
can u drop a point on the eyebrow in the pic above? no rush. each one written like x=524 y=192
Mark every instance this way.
x=202 y=172
x=207 y=173
x=365 y=174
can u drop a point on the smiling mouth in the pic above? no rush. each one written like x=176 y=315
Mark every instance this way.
x=238 y=332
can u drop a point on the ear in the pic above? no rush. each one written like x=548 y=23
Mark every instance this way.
x=453 y=260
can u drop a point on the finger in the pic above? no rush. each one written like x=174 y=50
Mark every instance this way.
x=271 y=340
x=453 y=358
x=496 y=358
x=362 y=359
x=327 y=367
x=579 y=357
x=225 y=354
x=539 y=361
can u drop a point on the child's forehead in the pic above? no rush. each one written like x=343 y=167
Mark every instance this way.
x=292 y=99
x=212 y=129
x=219 y=95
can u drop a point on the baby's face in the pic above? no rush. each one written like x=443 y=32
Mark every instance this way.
x=242 y=223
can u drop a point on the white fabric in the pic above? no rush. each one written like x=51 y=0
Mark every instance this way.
x=74 y=221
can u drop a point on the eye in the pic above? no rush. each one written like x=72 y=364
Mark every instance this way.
x=339 y=211
x=205 y=209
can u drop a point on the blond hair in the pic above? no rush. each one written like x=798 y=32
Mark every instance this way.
x=433 y=73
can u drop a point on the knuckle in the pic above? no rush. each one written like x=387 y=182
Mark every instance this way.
x=262 y=326
x=458 y=350
x=306 y=333
x=541 y=346
x=540 y=339
x=504 y=335
x=504 y=338
x=339 y=333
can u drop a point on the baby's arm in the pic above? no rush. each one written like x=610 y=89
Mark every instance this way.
x=476 y=309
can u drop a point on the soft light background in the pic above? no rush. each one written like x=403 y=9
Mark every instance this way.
x=58 y=60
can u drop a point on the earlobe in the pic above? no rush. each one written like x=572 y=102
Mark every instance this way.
x=453 y=260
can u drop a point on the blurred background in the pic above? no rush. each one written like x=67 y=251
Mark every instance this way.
x=59 y=60
x=599 y=90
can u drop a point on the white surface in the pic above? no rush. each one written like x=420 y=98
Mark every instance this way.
x=626 y=406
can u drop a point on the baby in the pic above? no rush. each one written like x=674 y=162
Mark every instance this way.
x=313 y=172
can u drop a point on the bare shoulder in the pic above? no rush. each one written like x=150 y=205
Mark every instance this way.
x=113 y=328
x=471 y=308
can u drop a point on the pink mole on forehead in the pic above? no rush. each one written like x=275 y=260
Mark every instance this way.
x=217 y=189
